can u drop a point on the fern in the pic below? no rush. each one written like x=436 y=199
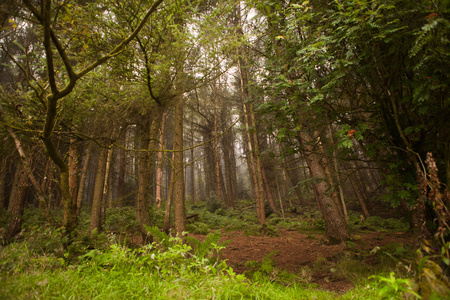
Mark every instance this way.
x=163 y=238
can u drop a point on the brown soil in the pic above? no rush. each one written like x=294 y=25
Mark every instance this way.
x=295 y=250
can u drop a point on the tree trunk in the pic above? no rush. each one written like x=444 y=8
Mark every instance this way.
x=16 y=203
x=358 y=194
x=84 y=172
x=269 y=195
x=249 y=120
x=192 y=168
x=3 y=184
x=121 y=173
x=73 y=168
x=26 y=164
x=209 y=166
x=336 y=177
x=228 y=170
x=216 y=150
x=160 y=162
x=167 y=210
x=146 y=169
x=98 y=191
x=336 y=226
x=290 y=166
x=179 y=209
x=105 y=184
x=142 y=213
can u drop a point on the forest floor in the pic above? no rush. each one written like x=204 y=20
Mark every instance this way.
x=297 y=251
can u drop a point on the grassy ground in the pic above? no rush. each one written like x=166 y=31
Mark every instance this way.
x=111 y=266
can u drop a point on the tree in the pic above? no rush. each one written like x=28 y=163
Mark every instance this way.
x=62 y=75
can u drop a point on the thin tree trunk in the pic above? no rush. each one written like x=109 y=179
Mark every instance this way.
x=73 y=168
x=258 y=166
x=142 y=212
x=98 y=191
x=249 y=120
x=105 y=184
x=358 y=194
x=146 y=172
x=290 y=165
x=121 y=175
x=16 y=202
x=179 y=199
x=287 y=186
x=216 y=150
x=269 y=193
x=84 y=172
x=337 y=177
x=26 y=164
x=193 y=195
x=233 y=167
x=160 y=162
x=228 y=171
x=166 y=227
x=279 y=197
x=3 y=183
x=19 y=177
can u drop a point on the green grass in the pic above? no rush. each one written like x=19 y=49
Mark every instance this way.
x=144 y=283
x=169 y=269
x=106 y=266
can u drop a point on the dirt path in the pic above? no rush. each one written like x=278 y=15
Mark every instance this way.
x=296 y=250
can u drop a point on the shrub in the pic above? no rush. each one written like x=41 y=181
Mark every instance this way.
x=197 y=228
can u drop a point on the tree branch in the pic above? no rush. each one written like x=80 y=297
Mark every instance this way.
x=122 y=45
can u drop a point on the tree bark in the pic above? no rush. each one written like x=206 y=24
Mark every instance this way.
x=105 y=184
x=16 y=203
x=73 y=168
x=336 y=226
x=168 y=208
x=249 y=120
x=98 y=191
x=121 y=175
x=3 y=183
x=216 y=150
x=179 y=197
x=228 y=171
x=269 y=195
x=84 y=172
x=26 y=164
x=290 y=165
x=358 y=195
x=142 y=213
x=160 y=163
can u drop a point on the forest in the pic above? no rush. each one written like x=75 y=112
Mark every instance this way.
x=235 y=149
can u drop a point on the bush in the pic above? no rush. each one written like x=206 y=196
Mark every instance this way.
x=197 y=228
x=121 y=219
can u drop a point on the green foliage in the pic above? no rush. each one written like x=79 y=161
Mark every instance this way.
x=209 y=248
x=432 y=280
x=267 y=271
x=176 y=272
x=227 y=218
x=394 y=288
x=376 y=223
x=121 y=220
x=197 y=228
x=319 y=222
x=258 y=230
x=213 y=205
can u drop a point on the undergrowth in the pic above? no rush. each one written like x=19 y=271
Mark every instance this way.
x=166 y=269
x=110 y=265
